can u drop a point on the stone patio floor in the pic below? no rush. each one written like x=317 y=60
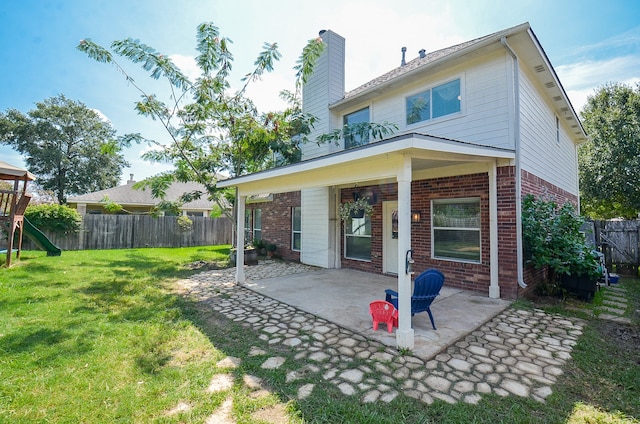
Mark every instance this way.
x=518 y=352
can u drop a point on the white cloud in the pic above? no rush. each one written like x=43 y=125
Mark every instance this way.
x=582 y=79
x=101 y=115
x=187 y=65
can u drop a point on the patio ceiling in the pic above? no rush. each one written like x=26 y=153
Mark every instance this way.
x=379 y=162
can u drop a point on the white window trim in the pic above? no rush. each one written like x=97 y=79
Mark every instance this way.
x=354 y=110
x=253 y=223
x=345 y=246
x=479 y=230
x=443 y=118
x=293 y=231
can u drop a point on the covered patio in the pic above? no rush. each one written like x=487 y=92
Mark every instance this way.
x=400 y=160
x=342 y=296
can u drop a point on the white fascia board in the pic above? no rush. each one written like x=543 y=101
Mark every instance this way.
x=371 y=162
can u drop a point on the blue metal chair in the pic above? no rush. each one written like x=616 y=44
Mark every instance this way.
x=425 y=289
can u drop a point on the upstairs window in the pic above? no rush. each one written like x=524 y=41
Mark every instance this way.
x=356 y=135
x=433 y=103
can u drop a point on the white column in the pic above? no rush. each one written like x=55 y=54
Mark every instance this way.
x=494 y=288
x=241 y=200
x=404 y=334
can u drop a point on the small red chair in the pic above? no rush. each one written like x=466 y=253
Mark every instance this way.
x=385 y=312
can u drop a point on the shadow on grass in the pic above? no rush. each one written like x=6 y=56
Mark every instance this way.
x=598 y=376
x=29 y=340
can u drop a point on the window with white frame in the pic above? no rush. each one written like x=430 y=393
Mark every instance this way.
x=296 y=228
x=441 y=100
x=357 y=135
x=257 y=224
x=248 y=228
x=357 y=238
x=455 y=229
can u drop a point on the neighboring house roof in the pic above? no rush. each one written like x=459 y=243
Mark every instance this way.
x=127 y=195
x=11 y=172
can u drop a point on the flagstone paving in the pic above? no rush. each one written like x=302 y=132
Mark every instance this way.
x=519 y=352
x=614 y=304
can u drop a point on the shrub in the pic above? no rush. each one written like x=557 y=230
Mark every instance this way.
x=185 y=223
x=59 y=219
x=552 y=238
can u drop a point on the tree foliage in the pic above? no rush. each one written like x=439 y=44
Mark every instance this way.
x=215 y=132
x=58 y=219
x=610 y=160
x=67 y=146
x=552 y=237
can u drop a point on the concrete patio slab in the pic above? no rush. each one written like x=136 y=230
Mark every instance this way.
x=343 y=296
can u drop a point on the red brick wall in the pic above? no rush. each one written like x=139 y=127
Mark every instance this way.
x=458 y=274
x=507 y=236
x=276 y=227
x=276 y=222
x=532 y=184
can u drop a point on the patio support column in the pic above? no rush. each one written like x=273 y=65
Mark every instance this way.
x=240 y=238
x=404 y=334
x=494 y=287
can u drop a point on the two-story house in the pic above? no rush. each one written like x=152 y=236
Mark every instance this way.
x=480 y=125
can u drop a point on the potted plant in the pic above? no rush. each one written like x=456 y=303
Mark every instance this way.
x=250 y=255
x=552 y=240
x=583 y=272
x=259 y=245
x=355 y=209
x=271 y=248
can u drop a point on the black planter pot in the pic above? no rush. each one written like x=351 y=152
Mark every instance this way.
x=357 y=214
x=250 y=257
x=584 y=286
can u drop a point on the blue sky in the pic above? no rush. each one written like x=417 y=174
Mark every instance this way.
x=588 y=42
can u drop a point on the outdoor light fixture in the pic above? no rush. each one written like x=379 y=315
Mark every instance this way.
x=415 y=216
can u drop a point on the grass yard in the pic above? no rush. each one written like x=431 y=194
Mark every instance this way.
x=102 y=337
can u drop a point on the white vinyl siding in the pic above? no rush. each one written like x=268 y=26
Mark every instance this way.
x=542 y=155
x=324 y=86
x=485 y=107
x=317 y=240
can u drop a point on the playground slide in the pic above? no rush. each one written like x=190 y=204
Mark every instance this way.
x=40 y=239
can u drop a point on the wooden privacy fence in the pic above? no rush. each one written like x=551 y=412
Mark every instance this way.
x=619 y=241
x=132 y=231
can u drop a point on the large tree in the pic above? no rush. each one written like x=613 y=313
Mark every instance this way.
x=67 y=146
x=610 y=160
x=216 y=131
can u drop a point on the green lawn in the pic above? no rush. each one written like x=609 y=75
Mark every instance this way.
x=102 y=337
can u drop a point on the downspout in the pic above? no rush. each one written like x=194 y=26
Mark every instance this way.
x=516 y=128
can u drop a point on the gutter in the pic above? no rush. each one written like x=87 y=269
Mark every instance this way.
x=516 y=126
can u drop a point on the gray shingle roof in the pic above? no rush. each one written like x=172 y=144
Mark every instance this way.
x=428 y=59
x=127 y=195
